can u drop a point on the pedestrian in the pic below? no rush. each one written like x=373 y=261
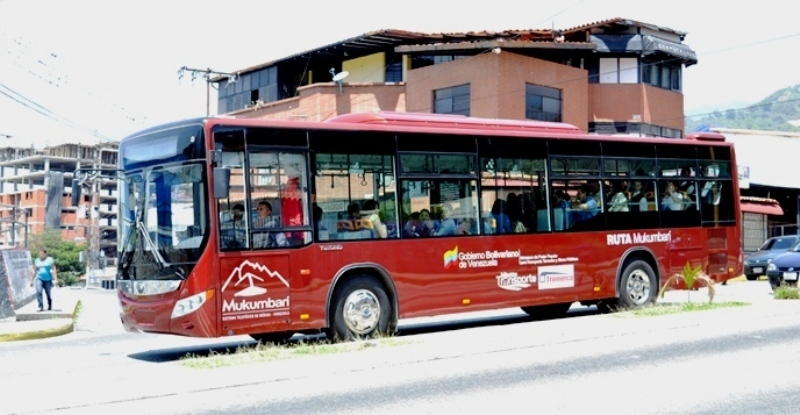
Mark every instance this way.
x=44 y=277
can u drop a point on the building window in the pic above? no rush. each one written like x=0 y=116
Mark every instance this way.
x=422 y=61
x=624 y=71
x=662 y=75
x=542 y=103
x=618 y=71
x=394 y=71
x=636 y=129
x=453 y=100
x=247 y=89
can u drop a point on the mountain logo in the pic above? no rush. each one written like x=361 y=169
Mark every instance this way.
x=246 y=274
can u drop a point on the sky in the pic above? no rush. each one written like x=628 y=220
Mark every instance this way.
x=89 y=71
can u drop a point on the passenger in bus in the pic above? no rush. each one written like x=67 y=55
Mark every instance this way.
x=618 y=202
x=233 y=231
x=673 y=199
x=353 y=211
x=686 y=184
x=292 y=204
x=526 y=201
x=560 y=206
x=637 y=201
x=448 y=226
x=466 y=227
x=419 y=225
x=709 y=195
x=319 y=228
x=348 y=224
x=237 y=217
x=428 y=223
x=594 y=191
x=372 y=219
x=515 y=213
x=687 y=188
x=584 y=208
x=500 y=219
x=412 y=225
x=560 y=200
x=264 y=220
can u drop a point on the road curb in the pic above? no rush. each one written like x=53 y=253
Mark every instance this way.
x=33 y=329
x=52 y=328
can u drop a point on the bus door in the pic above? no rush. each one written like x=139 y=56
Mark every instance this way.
x=255 y=295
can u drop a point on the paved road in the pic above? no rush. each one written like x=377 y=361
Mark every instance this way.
x=554 y=365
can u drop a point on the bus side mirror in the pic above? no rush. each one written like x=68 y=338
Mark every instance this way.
x=222 y=182
x=76 y=192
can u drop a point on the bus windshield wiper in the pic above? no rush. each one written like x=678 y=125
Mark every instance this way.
x=162 y=263
x=128 y=253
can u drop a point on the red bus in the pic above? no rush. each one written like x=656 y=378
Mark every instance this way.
x=269 y=228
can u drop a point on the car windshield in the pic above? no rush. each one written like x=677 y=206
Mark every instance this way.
x=796 y=246
x=781 y=243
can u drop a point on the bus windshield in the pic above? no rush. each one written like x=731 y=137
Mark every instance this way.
x=163 y=220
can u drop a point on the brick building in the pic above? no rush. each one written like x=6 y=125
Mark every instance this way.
x=615 y=76
x=36 y=193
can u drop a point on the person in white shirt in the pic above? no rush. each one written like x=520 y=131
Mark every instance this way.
x=673 y=199
x=709 y=194
x=371 y=213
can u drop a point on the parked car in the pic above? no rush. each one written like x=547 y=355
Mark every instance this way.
x=756 y=263
x=784 y=268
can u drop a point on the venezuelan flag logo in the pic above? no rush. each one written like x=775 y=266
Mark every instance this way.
x=451 y=258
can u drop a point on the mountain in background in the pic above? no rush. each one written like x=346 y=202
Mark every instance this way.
x=778 y=112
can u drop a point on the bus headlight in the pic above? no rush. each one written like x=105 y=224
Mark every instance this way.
x=190 y=304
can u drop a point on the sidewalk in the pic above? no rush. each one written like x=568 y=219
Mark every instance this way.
x=32 y=324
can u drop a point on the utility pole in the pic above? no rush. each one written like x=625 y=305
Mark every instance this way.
x=206 y=74
x=94 y=215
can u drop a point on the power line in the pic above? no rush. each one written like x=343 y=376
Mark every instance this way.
x=36 y=107
x=44 y=66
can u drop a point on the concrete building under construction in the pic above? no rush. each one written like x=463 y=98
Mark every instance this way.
x=36 y=194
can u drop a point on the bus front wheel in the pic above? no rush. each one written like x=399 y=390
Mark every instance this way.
x=638 y=285
x=361 y=310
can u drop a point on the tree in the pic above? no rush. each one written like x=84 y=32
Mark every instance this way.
x=65 y=253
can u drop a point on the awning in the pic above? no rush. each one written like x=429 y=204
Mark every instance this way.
x=643 y=44
x=764 y=209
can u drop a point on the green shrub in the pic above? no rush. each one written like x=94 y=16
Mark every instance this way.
x=786 y=293
x=69 y=278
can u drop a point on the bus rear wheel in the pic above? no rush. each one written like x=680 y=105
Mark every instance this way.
x=638 y=285
x=276 y=337
x=360 y=310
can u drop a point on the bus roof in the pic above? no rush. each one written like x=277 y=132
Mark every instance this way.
x=453 y=121
x=446 y=124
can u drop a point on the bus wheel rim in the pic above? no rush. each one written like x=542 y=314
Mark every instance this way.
x=361 y=312
x=639 y=286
